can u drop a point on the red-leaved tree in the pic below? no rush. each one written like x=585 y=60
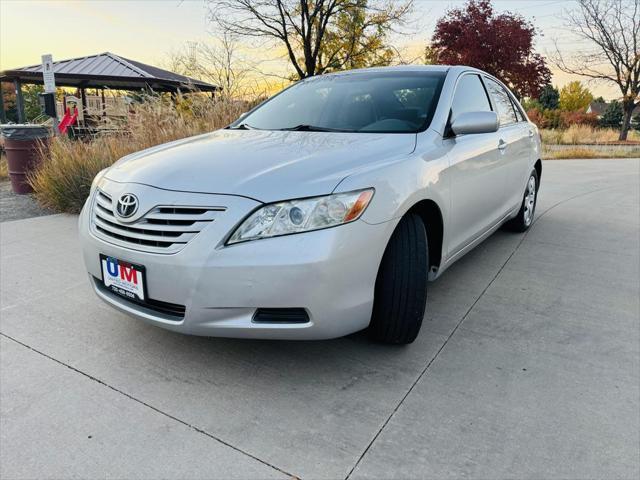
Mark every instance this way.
x=501 y=45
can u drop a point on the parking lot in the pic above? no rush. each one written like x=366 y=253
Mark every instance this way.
x=527 y=366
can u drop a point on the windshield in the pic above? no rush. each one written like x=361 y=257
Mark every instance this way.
x=384 y=102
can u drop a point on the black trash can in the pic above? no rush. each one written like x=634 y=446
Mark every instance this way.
x=23 y=143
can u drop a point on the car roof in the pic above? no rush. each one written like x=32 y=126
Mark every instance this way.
x=395 y=68
x=454 y=69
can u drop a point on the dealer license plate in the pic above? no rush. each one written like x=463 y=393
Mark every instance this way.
x=123 y=278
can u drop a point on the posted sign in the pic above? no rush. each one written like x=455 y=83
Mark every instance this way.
x=47 y=73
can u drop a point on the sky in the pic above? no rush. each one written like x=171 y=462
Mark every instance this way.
x=148 y=30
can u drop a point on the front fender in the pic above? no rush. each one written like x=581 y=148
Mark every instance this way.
x=401 y=184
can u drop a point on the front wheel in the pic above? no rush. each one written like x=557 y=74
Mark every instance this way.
x=524 y=219
x=401 y=286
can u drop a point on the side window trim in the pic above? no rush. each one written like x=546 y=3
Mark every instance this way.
x=520 y=116
x=484 y=87
x=486 y=78
x=515 y=109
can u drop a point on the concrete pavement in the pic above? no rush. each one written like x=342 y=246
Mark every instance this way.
x=528 y=366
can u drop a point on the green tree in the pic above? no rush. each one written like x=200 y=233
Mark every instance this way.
x=575 y=96
x=635 y=122
x=430 y=55
x=532 y=103
x=356 y=40
x=549 y=97
x=613 y=115
x=30 y=94
x=9 y=98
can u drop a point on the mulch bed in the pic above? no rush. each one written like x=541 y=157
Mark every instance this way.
x=18 y=207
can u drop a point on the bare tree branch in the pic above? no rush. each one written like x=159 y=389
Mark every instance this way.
x=312 y=31
x=613 y=28
x=217 y=62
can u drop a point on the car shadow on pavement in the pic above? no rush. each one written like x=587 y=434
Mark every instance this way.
x=449 y=299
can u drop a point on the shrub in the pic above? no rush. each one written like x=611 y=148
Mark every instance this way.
x=553 y=119
x=64 y=178
x=63 y=181
x=560 y=119
x=536 y=116
x=579 y=117
x=531 y=104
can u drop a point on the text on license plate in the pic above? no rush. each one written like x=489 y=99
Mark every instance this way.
x=123 y=278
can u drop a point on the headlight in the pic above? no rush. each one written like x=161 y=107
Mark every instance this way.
x=304 y=215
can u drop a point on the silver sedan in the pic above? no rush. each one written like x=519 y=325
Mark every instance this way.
x=323 y=211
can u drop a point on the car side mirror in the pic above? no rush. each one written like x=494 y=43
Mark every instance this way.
x=475 y=122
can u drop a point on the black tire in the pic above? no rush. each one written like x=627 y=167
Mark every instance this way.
x=401 y=286
x=524 y=219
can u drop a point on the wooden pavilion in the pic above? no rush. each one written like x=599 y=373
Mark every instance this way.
x=102 y=71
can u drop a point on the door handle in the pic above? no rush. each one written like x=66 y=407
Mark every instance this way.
x=502 y=145
x=530 y=133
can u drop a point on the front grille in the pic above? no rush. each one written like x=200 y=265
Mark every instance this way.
x=172 y=310
x=164 y=229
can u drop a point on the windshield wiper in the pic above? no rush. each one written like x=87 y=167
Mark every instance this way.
x=242 y=126
x=310 y=128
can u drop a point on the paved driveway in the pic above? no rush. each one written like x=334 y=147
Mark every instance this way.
x=527 y=366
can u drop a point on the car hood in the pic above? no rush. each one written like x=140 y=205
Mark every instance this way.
x=263 y=165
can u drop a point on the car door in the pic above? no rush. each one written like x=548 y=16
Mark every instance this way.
x=526 y=144
x=477 y=174
x=514 y=143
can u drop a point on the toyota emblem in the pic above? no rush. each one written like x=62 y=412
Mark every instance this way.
x=127 y=205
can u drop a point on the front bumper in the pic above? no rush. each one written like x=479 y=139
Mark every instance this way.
x=330 y=273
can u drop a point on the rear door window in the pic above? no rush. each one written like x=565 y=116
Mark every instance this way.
x=501 y=100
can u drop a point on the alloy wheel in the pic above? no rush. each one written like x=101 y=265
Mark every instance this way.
x=530 y=200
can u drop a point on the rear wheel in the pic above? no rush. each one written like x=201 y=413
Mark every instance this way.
x=401 y=286
x=524 y=219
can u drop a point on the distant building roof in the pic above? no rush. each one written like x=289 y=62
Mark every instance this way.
x=599 y=108
x=108 y=70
